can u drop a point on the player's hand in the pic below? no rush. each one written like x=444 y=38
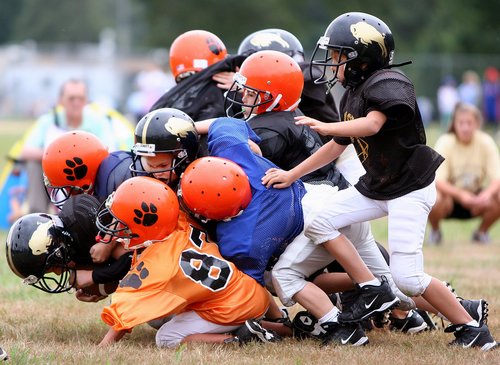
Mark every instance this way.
x=320 y=127
x=224 y=79
x=84 y=297
x=100 y=252
x=277 y=178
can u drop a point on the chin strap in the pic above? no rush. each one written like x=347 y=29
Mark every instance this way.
x=400 y=64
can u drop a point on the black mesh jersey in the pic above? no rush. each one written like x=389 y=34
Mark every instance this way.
x=287 y=145
x=396 y=159
x=78 y=215
x=198 y=95
x=316 y=101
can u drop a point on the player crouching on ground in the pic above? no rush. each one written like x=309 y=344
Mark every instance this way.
x=178 y=273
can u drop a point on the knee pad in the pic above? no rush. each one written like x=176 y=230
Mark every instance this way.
x=411 y=284
x=287 y=283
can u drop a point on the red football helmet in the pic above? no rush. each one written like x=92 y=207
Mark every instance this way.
x=70 y=163
x=214 y=188
x=275 y=77
x=193 y=51
x=143 y=210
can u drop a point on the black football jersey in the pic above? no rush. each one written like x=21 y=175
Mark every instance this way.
x=396 y=159
x=287 y=145
x=316 y=101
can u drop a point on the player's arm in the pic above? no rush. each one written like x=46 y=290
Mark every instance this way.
x=112 y=336
x=359 y=127
x=202 y=126
x=281 y=179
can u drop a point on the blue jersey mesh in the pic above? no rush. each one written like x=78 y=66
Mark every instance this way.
x=273 y=218
x=114 y=170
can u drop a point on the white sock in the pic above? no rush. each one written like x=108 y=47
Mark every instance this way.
x=374 y=282
x=330 y=316
x=473 y=323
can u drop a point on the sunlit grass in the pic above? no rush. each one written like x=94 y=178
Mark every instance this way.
x=38 y=328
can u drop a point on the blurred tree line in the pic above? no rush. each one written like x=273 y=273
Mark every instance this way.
x=421 y=29
x=445 y=26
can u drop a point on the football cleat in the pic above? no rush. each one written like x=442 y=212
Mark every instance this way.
x=477 y=309
x=252 y=331
x=469 y=336
x=344 y=334
x=431 y=325
x=305 y=325
x=413 y=323
x=371 y=299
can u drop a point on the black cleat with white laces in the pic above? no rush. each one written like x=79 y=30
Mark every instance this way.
x=413 y=323
x=305 y=325
x=477 y=309
x=371 y=299
x=468 y=336
x=252 y=331
x=344 y=334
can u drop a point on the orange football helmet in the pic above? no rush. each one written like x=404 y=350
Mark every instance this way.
x=70 y=163
x=275 y=77
x=193 y=51
x=214 y=188
x=141 y=211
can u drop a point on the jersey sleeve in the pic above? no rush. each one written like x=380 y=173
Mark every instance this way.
x=391 y=93
x=225 y=133
x=273 y=145
x=113 y=170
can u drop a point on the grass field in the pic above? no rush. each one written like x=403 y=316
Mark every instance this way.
x=37 y=328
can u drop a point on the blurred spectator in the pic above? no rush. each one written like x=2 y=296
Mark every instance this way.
x=150 y=85
x=447 y=98
x=69 y=114
x=470 y=88
x=426 y=109
x=468 y=181
x=491 y=95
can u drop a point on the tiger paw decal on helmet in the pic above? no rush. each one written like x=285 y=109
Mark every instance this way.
x=134 y=280
x=215 y=46
x=147 y=215
x=76 y=170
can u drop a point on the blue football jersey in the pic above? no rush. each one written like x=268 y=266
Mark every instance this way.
x=113 y=170
x=273 y=218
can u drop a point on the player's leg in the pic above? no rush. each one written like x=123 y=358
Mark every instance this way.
x=407 y=220
x=190 y=327
x=344 y=209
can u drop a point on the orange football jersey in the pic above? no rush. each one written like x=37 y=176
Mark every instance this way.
x=185 y=272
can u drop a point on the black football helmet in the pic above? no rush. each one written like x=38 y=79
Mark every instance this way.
x=273 y=39
x=165 y=130
x=38 y=250
x=365 y=40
